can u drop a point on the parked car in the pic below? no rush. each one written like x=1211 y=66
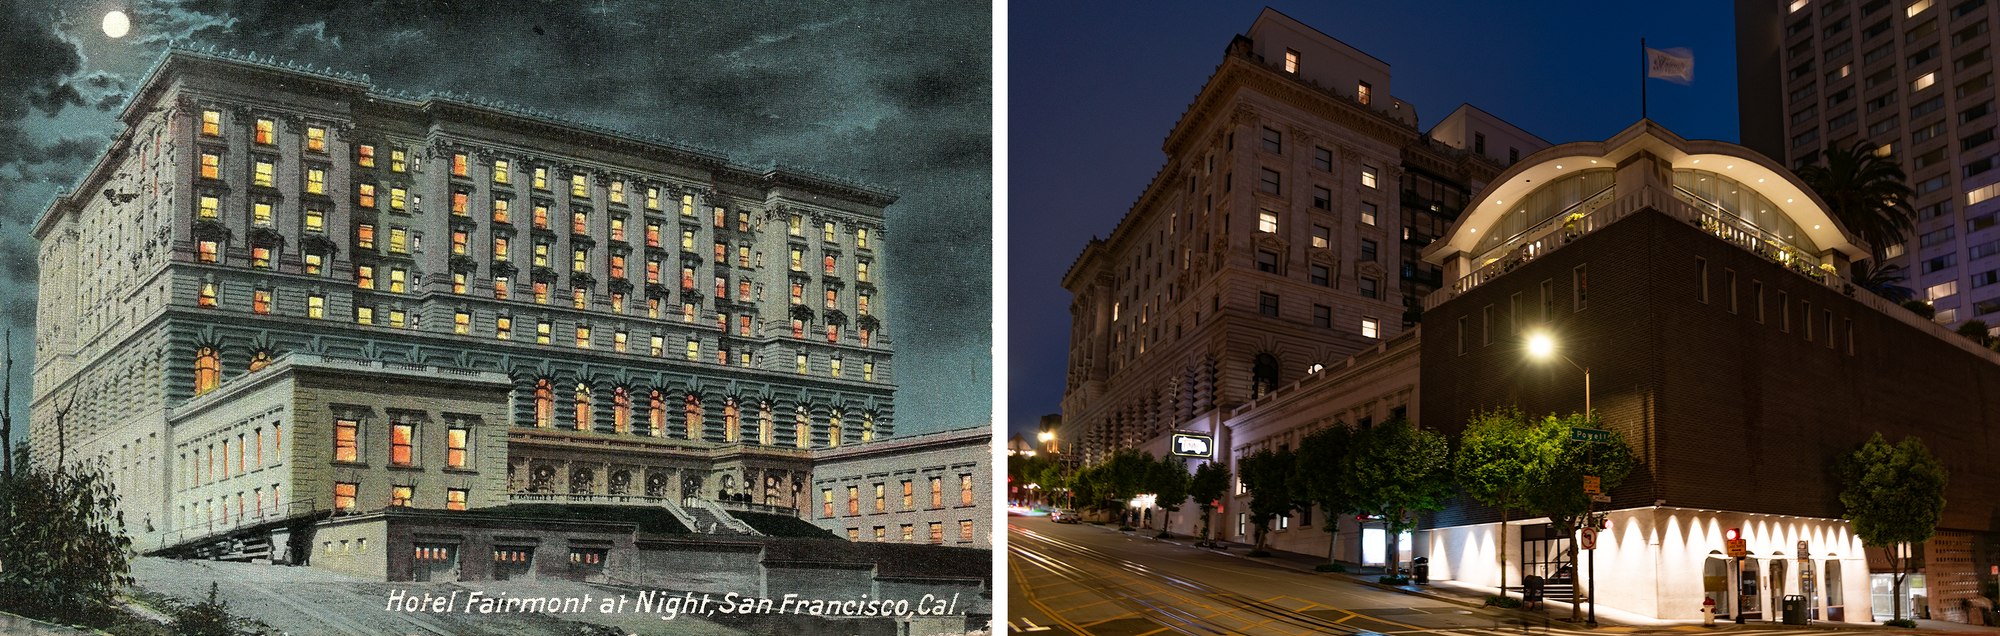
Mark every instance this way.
x=1060 y=515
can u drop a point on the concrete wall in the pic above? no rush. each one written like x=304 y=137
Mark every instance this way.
x=698 y=567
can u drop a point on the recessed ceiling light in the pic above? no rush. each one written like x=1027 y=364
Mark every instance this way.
x=1788 y=200
x=1558 y=167
x=1697 y=161
x=1593 y=161
x=1760 y=180
x=1815 y=227
x=1727 y=167
x=1475 y=230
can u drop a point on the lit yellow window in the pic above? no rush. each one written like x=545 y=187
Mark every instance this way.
x=458 y=282
x=315 y=221
x=364 y=236
x=798 y=260
x=834 y=366
x=397 y=160
x=801 y=363
x=208 y=207
x=579 y=223
x=829 y=231
x=687 y=205
x=541 y=255
x=617 y=192
x=694 y=349
x=316 y=307
x=795 y=226
x=544 y=333
x=459 y=238
x=652 y=198
x=267 y=132
x=365 y=155
x=396 y=318
x=861 y=271
x=313 y=263
x=397 y=198
x=260 y=257
x=366 y=195
x=315 y=181
x=579 y=298
x=659 y=345
x=264 y=174
x=576 y=261
x=397 y=277
x=260 y=301
x=260 y=213
x=618 y=342
x=500 y=174
x=211 y=123
x=500 y=287
x=503 y=328
x=364 y=315
x=687 y=240
x=207 y=297
x=399 y=240
x=316 y=139
x=617 y=229
x=461 y=323
x=868 y=371
x=579 y=186
x=458 y=165
x=500 y=248
x=500 y=211
x=211 y=166
x=541 y=178
x=582 y=337
x=861 y=238
x=208 y=252
x=364 y=276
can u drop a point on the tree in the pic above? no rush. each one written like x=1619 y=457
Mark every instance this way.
x=207 y=618
x=1894 y=497
x=1124 y=476
x=1321 y=482
x=1026 y=469
x=1556 y=491
x=63 y=550
x=1210 y=481
x=1975 y=330
x=1267 y=474
x=1883 y=281
x=1866 y=191
x=1498 y=454
x=1396 y=471
x=1168 y=480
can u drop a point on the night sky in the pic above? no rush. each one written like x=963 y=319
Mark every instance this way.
x=892 y=93
x=1094 y=88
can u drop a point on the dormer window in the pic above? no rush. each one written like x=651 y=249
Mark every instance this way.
x=1292 y=62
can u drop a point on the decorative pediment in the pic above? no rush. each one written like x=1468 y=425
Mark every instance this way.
x=1370 y=269
x=1323 y=257
x=1270 y=241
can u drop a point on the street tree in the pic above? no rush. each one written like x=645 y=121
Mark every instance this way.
x=1210 y=481
x=1321 y=482
x=1267 y=475
x=1556 y=490
x=1168 y=480
x=1894 y=497
x=1125 y=476
x=1398 y=471
x=1498 y=455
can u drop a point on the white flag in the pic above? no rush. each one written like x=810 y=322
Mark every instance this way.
x=1673 y=65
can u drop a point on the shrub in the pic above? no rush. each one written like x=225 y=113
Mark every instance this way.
x=1163 y=535
x=1503 y=601
x=1388 y=579
x=207 y=618
x=1921 y=308
x=1258 y=553
x=62 y=542
x=1330 y=567
x=1901 y=622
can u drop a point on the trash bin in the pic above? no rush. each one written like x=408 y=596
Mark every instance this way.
x=1795 y=609
x=1421 y=569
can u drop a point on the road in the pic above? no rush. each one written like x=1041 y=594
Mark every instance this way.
x=1084 y=580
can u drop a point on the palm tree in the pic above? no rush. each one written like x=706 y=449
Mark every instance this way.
x=1883 y=281
x=1866 y=192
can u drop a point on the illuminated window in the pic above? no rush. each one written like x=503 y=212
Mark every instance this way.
x=316 y=139
x=454 y=499
x=541 y=181
x=207 y=370
x=721 y=254
x=346 y=440
x=542 y=293
x=652 y=308
x=579 y=298
x=364 y=236
x=617 y=229
x=582 y=337
x=861 y=304
x=458 y=167
x=365 y=155
x=316 y=307
x=965 y=490
x=461 y=323
x=868 y=371
x=652 y=235
x=693 y=349
x=1370 y=328
x=798 y=328
x=579 y=186
x=687 y=205
x=687 y=278
x=500 y=287
x=315 y=221
x=1368 y=176
x=743 y=256
x=503 y=328
x=687 y=240
x=861 y=271
x=313 y=263
x=721 y=287
x=402 y=451
x=721 y=218
x=541 y=254
x=1364 y=93
x=621 y=411
x=459 y=202
x=343 y=499
x=500 y=174
x=743 y=290
x=365 y=195
x=800 y=359
x=260 y=301
x=580 y=223
x=795 y=226
x=659 y=346
x=458 y=240
x=832 y=299
x=618 y=341
x=315 y=181
x=578 y=260
x=798 y=260
x=396 y=318
x=208 y=252
x=833 y=365
x=687 y=312
x=1291 y=61
x=260 y=214
x=545 y=404
x=937 y=492
x=617 y=192
x=399 y=240
x=742 y=221
x=617 y=266
x=260 y=257
x=364 y=315
x=207 y=206
x=500 y=248
x=457 y=452
x=861 y=238
x=500 y=211
x=864 y=337
x=396 y=158
x=1267 y=221
x=267 y=132
x=828 y=263
x=211 y=123
x=583 y=413
x=399 y=496
x=653 y=271
x=541 y=219
x=652 y=198
x=211 y=166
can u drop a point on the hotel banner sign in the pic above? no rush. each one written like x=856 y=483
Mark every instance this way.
x=1193 y=445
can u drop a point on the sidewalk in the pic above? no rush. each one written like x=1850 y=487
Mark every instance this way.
x=1557 y=612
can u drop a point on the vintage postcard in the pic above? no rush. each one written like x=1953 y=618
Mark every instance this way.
x=497 y=318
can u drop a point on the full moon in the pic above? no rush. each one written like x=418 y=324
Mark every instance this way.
x=116 y=24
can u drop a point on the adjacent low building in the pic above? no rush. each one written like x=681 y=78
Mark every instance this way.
x=934 y=488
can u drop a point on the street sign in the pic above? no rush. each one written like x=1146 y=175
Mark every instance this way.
x=1601 y=498
x=1590 y=538
x=1588 y=435
x=1590 y=485
x=1192 y=445
x=1736 y=549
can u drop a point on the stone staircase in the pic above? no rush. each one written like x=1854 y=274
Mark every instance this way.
x=708 y=518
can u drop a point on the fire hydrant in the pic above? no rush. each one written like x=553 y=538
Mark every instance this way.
x=1708 y=612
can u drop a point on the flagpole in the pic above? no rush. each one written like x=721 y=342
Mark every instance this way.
x=1642 y=78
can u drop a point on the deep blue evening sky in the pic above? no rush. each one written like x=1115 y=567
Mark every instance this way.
x=1095 y=87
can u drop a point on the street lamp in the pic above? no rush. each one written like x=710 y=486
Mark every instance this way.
x=1541 y=347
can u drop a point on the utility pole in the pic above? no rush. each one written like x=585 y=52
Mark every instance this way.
x=7 y=409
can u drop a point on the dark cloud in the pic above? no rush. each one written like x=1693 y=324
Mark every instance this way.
x=895 y=93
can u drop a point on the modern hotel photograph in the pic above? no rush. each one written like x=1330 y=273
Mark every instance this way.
x=497 y=318
x=1481 y=318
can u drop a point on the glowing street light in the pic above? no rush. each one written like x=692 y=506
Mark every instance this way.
x=1541 y=347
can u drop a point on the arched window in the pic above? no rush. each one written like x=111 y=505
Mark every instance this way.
x=621 y=411
x=833 y=430
x=691 y=414
x=731 y=423
x=261 y=360
x=207 y=370
x=582 y=407
x=765 y=434
x=656 y=415
x=545 y=404
x=1263 y=376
